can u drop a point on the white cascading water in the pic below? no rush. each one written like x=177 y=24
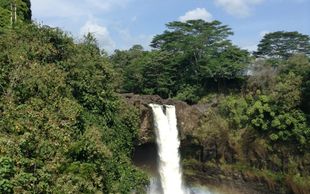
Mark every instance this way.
x=168 y=149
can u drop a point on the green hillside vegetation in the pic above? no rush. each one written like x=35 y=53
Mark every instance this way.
x=64 y=128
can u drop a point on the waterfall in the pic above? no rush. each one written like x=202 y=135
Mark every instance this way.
x=167 y=140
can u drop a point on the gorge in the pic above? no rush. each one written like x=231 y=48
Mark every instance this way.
x=197 y=159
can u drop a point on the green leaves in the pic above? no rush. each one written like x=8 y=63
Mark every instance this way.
x=13 y=13
x=273 y=118
x=63 y=129
x=6 y=167
x=279 y=120
x=7 y=171
x=282 y=45
x=189 y=60
x=234 y=109
x=199 y=32
x=202 y=52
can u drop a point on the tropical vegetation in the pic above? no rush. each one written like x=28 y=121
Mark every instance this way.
x=65 y=129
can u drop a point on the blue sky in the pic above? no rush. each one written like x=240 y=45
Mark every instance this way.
x=119 y=24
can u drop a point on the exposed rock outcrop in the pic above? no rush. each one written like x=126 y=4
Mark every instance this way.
x=188 y=116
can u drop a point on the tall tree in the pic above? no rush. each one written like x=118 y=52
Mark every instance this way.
x=128 y=64
x=13 y=12
x=27 y=13
x=193 y=43
x=159 y=75
x=282 y=45
x=203 y=53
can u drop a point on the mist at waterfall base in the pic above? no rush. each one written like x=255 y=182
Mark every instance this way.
x=169 y=169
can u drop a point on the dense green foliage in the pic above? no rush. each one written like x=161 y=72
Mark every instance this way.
x=14 y=12
x=190 y=59
x=264 y=131
x=62 y=127
x=282 y=45
x=275 y=110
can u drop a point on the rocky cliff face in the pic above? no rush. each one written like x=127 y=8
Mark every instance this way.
x=201 y=164
x=188 y=116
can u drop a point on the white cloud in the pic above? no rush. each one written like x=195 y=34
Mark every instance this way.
x=101 y=33
x=198 y=13
x=83 y=16
x=240 y=8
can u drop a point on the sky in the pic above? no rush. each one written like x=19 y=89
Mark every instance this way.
x=119 y=24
